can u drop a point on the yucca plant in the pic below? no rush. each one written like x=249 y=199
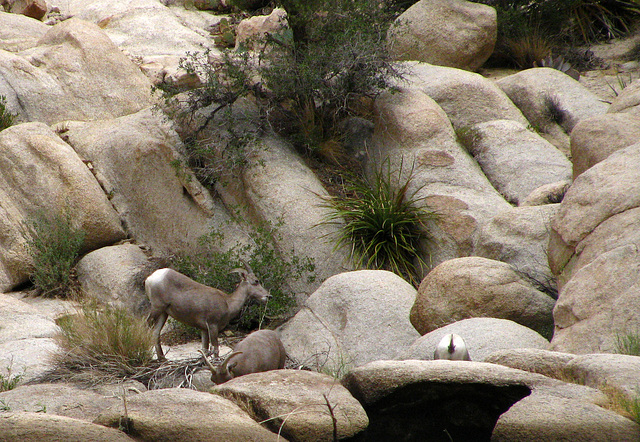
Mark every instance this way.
x=381 y=221
x=598 y=19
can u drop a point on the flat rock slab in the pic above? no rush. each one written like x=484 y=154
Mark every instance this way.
x=296 y=403
x=58 y=399
x=182 y=415
x=425 y=400
x=40 y=427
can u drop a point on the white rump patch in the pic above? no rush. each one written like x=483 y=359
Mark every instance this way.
x=156 y=277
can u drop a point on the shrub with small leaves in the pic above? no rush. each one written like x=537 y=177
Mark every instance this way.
x=54 y=244
x=272 y=268
x=328 y=65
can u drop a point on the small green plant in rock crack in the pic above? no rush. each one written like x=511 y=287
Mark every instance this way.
x=272 y=268
x=6 y=118
x=4 y=406
x=381 y=221
x=628 y=343
x=54 y=245
x=9 y=381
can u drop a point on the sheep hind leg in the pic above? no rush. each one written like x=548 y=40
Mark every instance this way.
x=211 y=337
x=159 y=322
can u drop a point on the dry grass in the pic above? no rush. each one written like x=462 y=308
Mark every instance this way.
x=528 y=49
x=102 y=344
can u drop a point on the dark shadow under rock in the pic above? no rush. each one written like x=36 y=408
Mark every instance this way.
x=435 y=411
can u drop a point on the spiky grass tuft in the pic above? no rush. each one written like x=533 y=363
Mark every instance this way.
x=102 y=344
x=381 y=221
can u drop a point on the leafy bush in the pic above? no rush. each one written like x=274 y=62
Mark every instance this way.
x=307 y=78
x=213 y=269
x=54 y=245
x=381 y=222
x=6 y=117
x=102 y=343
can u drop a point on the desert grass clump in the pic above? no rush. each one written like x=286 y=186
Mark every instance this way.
x=102 y=343
x=527 y=49
x=628 y=343
x=381 y=221
x=54 y=245
x=631 y=405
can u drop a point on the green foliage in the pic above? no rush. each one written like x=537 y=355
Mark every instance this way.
x=10 y=381
x=6 y=117
x=632 y=406
x=554 y=22
x=102 y=342
x=4 y=407
x=274 y=270
x=338 y=55
x=305 y=78
x=248 y=5
x=381 y=221
x=54 y=245
x=628 y=343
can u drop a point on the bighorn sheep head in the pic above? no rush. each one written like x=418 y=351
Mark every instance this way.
x=260 y=351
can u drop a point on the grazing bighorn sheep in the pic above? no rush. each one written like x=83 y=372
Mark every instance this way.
x=453 y=348
x=260 y=351
x=173 y=294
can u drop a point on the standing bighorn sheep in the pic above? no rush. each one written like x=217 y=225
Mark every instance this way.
x=260 y=351
x=453 y=348
x=173 y=294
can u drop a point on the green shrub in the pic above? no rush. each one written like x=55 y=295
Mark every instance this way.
x=54 y=245
x=274 y=270
x=102 y=343
x=305 y=79
x=6 y=117
x=381 y=221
